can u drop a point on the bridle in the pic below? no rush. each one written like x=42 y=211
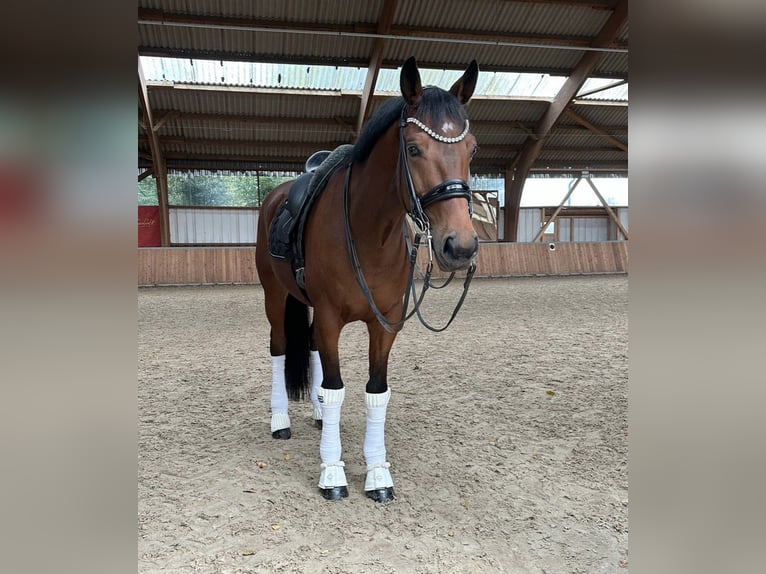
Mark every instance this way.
x=445 y=190
x=449 y=189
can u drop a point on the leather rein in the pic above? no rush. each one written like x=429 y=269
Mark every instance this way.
x=446 y=190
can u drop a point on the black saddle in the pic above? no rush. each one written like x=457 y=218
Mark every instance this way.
x=286 y=232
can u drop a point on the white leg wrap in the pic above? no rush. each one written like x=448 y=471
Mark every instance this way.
x=332 y=475
x=329 y=446
x=279 y=418
x=378 y=475
x=315 y=365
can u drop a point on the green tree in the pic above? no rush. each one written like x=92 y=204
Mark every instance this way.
x=147 y=191
x=211 y=189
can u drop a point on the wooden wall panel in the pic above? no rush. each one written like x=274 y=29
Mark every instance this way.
x=519 y=259
x=205 y=265
x=196 y=265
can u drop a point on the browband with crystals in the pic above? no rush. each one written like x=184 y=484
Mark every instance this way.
x=438 y=137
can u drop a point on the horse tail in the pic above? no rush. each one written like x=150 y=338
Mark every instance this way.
x=298 y=337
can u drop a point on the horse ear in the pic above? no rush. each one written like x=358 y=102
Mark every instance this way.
x=409 y=81
x=464 y=87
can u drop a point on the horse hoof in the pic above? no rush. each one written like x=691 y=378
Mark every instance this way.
x=282 y=433
x=381 y=495
x=318 y=423
x=334 y=493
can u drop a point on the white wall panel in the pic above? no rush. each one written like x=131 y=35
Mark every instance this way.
x=529 y=223
x=590 y=228
x=622 y=215
x=212 y=226
x=237 y=226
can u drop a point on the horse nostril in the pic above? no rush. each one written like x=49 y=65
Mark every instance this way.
x=456 y=251
x=448 y=246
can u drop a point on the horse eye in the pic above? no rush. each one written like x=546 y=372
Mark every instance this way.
x=413 y=150
x=474 y=151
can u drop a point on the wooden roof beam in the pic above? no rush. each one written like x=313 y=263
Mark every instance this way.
x=585 y=123
x=165 y=85
x=258 y=90
x=573 y=84
x=376 y=60
x=235 y=143
x=234 y=118
x=594 y=4
x=305 y=60
x=237 y=164
x=144 y=174
x=348 y=122
x=163 y=117
x=299 y=161
x=305 y=145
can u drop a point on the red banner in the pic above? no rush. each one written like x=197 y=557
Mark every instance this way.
x=22 y=197
x=149 y=226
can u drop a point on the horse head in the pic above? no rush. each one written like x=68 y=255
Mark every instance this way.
x=437 y=148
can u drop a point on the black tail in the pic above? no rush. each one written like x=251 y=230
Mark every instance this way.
x=297 y=352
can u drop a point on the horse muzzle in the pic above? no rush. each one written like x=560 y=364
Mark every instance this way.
x=455 y=254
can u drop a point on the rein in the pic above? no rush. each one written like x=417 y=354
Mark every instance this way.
x=446 y=190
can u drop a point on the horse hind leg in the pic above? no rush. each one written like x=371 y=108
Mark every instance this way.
x=317 y=376
x=280 y=419
x=289 y=347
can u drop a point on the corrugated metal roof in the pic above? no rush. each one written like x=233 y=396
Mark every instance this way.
x=227 y=73
x=293 y=81
x=318 y=77
x=602 y=115
x=616 y=93
x=251 y=104
x=340 y=11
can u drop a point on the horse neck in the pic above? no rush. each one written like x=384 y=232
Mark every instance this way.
x=376 y=200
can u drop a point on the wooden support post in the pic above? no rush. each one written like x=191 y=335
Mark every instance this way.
x=557 y=211
x=158 y=162
x=609 y=210
x=510 y=210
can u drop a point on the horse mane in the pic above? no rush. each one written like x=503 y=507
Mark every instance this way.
x=436 y=106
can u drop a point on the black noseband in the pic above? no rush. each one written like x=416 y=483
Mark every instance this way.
x=447 y=190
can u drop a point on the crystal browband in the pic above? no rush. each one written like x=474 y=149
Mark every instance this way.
x=436 y=136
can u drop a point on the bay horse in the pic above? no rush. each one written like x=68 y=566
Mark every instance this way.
x=412 y=158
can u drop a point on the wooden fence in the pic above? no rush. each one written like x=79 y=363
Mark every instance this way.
x=226 y=265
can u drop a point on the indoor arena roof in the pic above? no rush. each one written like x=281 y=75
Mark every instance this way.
x=244 y=86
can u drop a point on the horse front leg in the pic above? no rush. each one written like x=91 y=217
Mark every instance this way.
x=330 y=395
x=378 y=483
